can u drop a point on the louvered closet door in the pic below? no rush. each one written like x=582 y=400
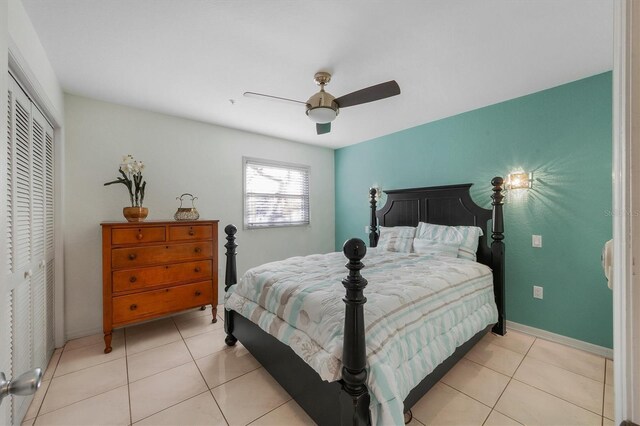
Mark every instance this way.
x=28 y=306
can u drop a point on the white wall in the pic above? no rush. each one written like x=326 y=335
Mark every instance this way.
x=26 y=48
x=181 y=156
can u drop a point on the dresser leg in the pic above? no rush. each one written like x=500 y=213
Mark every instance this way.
x=202 y=308
x=214 y=311
x=107 y=342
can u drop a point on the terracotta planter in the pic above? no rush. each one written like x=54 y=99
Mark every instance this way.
x=135 y=214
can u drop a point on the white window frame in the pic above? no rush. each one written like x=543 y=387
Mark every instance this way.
x=283 y=165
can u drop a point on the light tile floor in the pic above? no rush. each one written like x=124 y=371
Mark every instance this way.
x=178 y=371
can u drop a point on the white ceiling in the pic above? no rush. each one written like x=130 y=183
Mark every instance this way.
x=189 y=58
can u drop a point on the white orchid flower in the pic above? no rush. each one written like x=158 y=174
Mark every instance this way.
x=132 y=178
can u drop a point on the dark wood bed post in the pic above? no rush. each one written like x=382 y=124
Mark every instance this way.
x=230 y=278
x=497 y=254
x=373 y=223
x=354 y=398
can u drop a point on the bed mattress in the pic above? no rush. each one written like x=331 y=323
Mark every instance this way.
x=419 y=309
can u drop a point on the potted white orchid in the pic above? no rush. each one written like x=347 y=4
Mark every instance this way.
x=131 y=171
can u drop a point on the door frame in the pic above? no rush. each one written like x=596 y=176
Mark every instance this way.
x=4 y=88
x=626 y=224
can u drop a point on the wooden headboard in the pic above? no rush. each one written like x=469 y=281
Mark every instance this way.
x=449 y=205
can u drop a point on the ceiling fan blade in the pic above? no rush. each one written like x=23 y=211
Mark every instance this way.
x=322 y=128
x=278 y=98
x=369 y=94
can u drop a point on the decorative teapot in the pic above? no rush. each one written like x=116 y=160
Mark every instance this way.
x=187 y=213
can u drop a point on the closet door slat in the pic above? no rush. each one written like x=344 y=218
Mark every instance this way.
x=27 y=301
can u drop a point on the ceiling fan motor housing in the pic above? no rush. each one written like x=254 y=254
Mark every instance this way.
x=322 y=108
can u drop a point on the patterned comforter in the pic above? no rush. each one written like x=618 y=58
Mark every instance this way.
x=419 y=310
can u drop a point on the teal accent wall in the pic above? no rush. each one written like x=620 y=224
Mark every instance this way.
x=562 y=135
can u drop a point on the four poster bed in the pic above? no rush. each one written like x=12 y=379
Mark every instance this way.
x=347 y=400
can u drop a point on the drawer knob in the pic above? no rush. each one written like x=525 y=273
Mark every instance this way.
x=198 y=292
x=133 y=256
x=133 y=279
x=197 y=269
x=192 y=232
x=139 y=236
x=133 y=307
x=198 y=250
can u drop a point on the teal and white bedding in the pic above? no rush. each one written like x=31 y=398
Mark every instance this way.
x=419 y=309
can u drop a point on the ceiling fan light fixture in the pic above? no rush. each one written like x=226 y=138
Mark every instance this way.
x=322 y=107
x=322 y=114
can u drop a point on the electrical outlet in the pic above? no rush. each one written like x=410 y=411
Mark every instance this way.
x=366 y=229
x=537 y=292
x=536 y=241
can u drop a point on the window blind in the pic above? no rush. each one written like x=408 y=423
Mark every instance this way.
x=275 y=194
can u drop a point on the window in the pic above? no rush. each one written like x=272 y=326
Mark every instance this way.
x=275 y=194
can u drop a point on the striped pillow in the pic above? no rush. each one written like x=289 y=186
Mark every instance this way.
x=435 y=248
x=397 y=238
x=466 y=236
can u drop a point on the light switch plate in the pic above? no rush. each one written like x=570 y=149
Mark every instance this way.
x=537 y=292
x=536 y=241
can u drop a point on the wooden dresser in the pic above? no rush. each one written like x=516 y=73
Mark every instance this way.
x=150 y=269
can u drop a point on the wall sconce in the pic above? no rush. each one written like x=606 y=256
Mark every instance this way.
x=519 y=180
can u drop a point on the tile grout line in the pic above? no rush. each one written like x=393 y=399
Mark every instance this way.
x=81 y=400
x=549 y=393
x=544 y=391
x=510 y=380
x=91 y=366
x=75 y=402
x=572 y=348
x=205 y=381
x=270 y=411
x=492 y=369
x=558 y=397
x=48 y=387
x=90 y=344
x=202 y=375
x=170 y=406
x=126 y=362
x=228 y=381
x=231 y=380
x=101 y=363
x=465 y=394
x=218 y=405
x=538 y=359
x=458 y=390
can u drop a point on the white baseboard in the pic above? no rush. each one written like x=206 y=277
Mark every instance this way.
x=82 y=333
x=558 y=338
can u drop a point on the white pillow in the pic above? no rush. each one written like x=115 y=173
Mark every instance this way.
x=466 y=236
x=435 y=248
x=396 y=238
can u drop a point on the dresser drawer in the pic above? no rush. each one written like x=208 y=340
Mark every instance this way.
x=190 y=232
x=157 y=302
x=149 y=255
x=138 y=235
x=136 y=279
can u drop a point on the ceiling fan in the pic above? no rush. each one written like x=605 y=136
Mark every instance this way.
x=322 y=108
